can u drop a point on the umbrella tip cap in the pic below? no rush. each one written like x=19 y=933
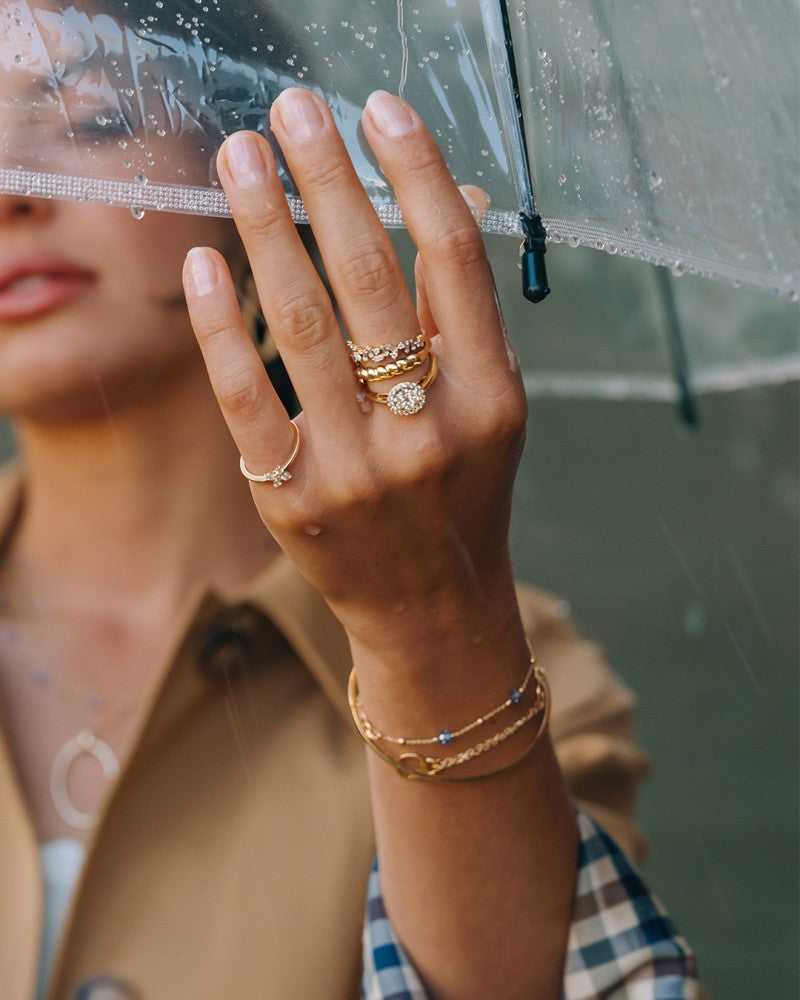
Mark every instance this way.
x=534 y=275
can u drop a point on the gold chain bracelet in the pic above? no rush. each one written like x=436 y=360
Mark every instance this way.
x=446 y=736
x=430 y=768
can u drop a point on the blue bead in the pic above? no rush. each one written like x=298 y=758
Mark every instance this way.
x=445 y=737
x=515 y=697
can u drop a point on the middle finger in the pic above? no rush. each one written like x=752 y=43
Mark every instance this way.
x=359 y=258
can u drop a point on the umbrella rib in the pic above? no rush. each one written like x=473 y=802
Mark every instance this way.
x=535 y=286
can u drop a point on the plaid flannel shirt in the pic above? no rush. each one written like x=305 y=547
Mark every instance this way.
x=621 y=945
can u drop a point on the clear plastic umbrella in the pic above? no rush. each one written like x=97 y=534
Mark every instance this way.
x=665 y=131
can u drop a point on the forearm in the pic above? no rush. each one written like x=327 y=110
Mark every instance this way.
x=478 y=876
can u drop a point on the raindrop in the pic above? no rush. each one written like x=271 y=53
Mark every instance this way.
x=694 y=618
x=122 y=144
x=140 y=179
x=18 y=59
x=161 y=132
x=574 y=240
x=678 y=268
x=655 y=180
x=102 y=120
x=137 y=212
x=562 y=178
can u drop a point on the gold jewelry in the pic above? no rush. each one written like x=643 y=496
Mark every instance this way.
x=430 y=768
x=374 y=355
x=392 y=368
x=280 y=474
x=84 y=743
x=446 y=736
x=407 y=398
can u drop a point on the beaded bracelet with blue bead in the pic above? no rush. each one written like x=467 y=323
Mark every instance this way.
x=446 y=736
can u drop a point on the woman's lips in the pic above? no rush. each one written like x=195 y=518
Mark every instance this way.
x=37 y=283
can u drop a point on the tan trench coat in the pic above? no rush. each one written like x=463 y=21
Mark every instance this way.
x=231 y=860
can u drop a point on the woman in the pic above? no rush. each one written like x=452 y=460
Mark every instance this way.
x=151 y=624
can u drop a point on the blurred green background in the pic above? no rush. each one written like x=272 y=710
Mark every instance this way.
x=678 y=551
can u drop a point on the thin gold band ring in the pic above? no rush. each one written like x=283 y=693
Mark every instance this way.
x=280 y=474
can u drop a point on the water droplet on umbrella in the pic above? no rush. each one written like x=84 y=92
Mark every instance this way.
x=562 y=178
x=102 y=120
x=140 y=179
x=137 y=211
x=122 y=144
x=574 y=240
x=678 y=268
x=655 y=180
x=17 y=59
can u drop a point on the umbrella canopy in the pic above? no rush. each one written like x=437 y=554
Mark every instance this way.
x=665 y=131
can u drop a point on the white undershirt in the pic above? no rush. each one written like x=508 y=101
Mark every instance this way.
x=61 y=861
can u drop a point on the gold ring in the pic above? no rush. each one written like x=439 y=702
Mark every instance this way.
x=392 y=368
x=407 y=398
x=375 y=354
x=280 y=474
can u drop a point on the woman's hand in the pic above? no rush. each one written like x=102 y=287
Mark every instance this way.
x=401 y=522
x=387 y=516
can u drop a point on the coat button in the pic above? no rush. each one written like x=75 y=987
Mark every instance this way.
x=235 y=642
x=106 y=988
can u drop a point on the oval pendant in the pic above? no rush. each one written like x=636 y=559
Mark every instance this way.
x=84 y=742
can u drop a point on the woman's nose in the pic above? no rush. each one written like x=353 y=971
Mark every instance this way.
x=21 y=209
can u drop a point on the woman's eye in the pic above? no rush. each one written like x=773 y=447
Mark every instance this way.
x=102 y=127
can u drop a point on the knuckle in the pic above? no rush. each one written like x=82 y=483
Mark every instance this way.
x=304 y=319
x=426 y=162
x=368 y=271
x=259 y=226
x=428 y=461
x=324 y=174
x=459 y=243
x=502 y=423
x=354 y=494
x=239 y=393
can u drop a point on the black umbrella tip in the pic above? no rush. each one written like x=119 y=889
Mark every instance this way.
x=534 y=270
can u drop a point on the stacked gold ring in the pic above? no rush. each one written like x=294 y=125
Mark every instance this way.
x=405 y=398
x=392 y=368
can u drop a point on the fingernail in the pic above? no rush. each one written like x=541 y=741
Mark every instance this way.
x=475 y=197
x=201 y=270
x=245 y=160
x=389 y=114
x=300 y=114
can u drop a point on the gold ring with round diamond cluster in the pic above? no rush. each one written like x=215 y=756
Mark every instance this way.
x=384 y=361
